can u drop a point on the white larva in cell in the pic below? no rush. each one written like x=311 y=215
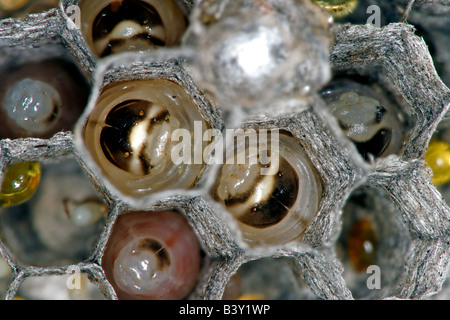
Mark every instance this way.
x=152 y=255
x=110 y=27
x=130 y=132
x=274 y=206
x=33 y=105
x=367 y=117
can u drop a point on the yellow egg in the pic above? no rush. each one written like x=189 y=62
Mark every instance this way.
x=10 y=5
x=437 y=158
x=20 y=182
x=338 y=8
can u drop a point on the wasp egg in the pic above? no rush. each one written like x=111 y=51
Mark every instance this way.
x=338 y=8
x=111 y=27
x=42 y=98
x=19 y=183
x=366 y=117
x=437 y=158
x=273 y=201
x=130 y=135
x=362 y=244
x=152 y=256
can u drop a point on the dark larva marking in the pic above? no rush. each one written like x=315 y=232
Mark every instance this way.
x=158 y=249
x=381 y=111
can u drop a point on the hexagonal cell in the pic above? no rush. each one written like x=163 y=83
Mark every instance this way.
x=110 y=27
x=60 y=224
x=43 y=91
x=21 y=8
x=268 y=184
x=76 y=286
x=143 y=134
x=267 y=279
x=243 y=48
x=152 y=255
x=407 y=78
x=371 y=113
x=373 y=243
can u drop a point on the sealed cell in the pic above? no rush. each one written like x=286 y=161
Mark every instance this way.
x=367 y=117
x=111 y=27
x=152 y=256
x=269 y=186
x=137 y=132
x=41 y=98
x=249 y=53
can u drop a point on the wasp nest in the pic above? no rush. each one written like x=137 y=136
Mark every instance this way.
x=188 y=149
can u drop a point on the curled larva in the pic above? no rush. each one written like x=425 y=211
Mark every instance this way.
x=366 y=117
x=39 y=99
x=273 y=201
x=130 y=130
x=131 y=25
x=152 y=256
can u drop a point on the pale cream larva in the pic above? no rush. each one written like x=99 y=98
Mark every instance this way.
x=152 y=256
x=273 y=201
x=39 y=99
x=366 y=117
x=130 y=135
x=131 y=25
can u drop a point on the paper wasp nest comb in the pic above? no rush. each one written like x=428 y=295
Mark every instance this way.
x=101 y=94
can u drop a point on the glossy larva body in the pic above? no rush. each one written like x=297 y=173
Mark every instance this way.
x=367 y=118
x=41 y=98
x=152 y=255
x=274 y=207
x=111 y=27
x=130 y=134
x=33 y=105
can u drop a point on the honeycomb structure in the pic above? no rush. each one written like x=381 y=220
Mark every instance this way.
x=410 y=215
